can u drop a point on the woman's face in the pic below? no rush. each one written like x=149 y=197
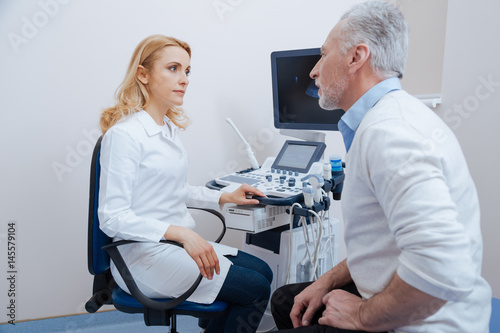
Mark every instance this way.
x=167 y=81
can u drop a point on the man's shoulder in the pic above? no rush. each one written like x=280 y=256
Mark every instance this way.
x=399 y=107
x=394 y=104
x=401 y=117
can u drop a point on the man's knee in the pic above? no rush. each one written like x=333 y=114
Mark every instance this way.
x=279 y=297
x=284 y=296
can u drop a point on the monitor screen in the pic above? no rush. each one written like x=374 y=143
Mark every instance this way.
x=295 y=96
x=298 y=155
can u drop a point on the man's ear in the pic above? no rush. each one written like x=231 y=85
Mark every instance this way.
x=142 y=74
x=359 y=55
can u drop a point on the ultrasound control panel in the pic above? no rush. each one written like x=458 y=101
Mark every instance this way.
x=281 y=176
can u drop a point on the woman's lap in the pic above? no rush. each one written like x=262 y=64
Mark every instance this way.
x=247 y=287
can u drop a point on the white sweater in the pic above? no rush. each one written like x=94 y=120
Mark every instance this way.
x=410 y=206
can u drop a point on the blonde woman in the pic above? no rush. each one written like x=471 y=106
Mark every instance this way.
x=144 y=195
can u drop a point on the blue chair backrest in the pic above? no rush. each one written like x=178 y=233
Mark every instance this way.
x=98 y=259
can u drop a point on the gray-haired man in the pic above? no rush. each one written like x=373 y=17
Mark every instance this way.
x=410 y=208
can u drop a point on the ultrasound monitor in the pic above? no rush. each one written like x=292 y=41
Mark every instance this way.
x=295 y=96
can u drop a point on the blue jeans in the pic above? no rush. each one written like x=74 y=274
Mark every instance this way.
x=247 y=288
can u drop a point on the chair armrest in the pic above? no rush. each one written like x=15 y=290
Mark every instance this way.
x=117 y=258
x=132 y=286
x=221 y=218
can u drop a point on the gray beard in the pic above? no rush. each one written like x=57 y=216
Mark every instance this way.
x=326 y=102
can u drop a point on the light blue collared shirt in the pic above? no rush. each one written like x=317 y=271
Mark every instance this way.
x=350 y=121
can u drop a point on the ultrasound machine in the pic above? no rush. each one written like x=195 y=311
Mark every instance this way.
x=290 y=229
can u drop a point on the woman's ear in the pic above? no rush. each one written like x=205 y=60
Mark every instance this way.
x=142 y=74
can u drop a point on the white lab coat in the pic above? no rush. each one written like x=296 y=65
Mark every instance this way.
x=143 y=191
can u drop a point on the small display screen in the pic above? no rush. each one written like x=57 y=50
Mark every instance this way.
x=296 y=156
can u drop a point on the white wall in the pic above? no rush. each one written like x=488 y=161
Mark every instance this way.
x=62 y=63
x=471 y=107
x=424 y=66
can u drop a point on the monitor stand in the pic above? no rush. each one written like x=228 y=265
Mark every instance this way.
x=306 y=135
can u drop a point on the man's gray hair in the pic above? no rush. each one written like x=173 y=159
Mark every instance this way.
x=383 y=28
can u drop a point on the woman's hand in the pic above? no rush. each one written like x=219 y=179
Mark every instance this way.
x=239 y=196
x=198 y=248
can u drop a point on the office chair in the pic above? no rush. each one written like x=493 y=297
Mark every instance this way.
x=101 y=249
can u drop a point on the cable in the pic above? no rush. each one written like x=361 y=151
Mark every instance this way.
x=290 y=255
x=315 y=249
x=330 y=235
x=303 y=223
x=315 y=240
x=314 y=263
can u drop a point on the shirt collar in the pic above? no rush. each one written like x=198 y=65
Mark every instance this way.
x=350 y=121
x=153 y=128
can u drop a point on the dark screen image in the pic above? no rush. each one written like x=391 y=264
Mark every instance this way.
x=298 y=95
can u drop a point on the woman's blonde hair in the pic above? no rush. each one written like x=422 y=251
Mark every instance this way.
x=132 y=95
